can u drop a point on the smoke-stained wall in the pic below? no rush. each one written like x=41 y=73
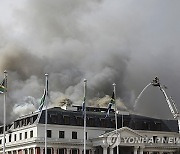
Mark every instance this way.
x=126 y=42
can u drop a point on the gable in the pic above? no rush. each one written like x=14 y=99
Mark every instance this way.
x=124 y=135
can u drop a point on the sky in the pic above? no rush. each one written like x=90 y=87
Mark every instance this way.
x=123 y=42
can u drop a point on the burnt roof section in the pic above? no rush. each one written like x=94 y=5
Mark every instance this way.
x=92 y=109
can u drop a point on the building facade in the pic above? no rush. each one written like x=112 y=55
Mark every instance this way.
x=135 y=134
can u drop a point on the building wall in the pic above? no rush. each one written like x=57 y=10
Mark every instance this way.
x=19 y=142
x=92 y=132
x=68 y=121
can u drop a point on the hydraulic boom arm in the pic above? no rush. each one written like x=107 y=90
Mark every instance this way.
x=170 y=102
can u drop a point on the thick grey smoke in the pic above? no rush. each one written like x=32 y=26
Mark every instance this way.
x=126 y=42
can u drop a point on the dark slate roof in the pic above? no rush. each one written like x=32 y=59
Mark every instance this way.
x=59 y=116
x=95 y=118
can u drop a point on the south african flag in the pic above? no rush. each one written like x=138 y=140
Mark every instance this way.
x=2 y=86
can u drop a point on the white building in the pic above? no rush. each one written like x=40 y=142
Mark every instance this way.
x=136 y=134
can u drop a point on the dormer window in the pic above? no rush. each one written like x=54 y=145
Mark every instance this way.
x=66 y=120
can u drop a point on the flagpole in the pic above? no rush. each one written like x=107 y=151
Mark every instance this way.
x=116 y=122
x=85 y=87
x=5 y=95
x=46 y=88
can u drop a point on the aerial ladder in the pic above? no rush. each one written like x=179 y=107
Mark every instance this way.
x=169 y=100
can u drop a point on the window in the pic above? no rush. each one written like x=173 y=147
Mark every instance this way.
x=24 y=122
x=157 y=126
x=49 y=133
x=66 y=120
x=103 y=123
x=25 y=135
x=31 y=133
x=9 y=137
x=1 y=130
x=54 y=118
x=20 y=136
x=79 y=121
x=20 y=123
x=113 y=123
x=28 y=121
x=125 y=123
x=146 y=125
x=0 y=141
x=138 y=124
x=86 y=135
x=61 y=134
x=14 y=137
x=31 y=120
x=15 y=124
x=91 y=122
x=74 y=135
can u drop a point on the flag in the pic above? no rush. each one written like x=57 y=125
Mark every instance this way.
x=83 y=107
x=112 y=102
x=2 y=86
x=47 y=87
x=42 y=101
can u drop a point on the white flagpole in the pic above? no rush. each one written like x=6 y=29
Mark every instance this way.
x=46 y=86
x=5 y=95
x=85 y=87
x=116 y=122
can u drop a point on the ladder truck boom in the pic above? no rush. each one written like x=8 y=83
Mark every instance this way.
x=170 y=101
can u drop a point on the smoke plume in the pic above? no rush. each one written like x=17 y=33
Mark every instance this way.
x=122 y=42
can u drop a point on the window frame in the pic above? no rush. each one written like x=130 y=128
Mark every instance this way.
x=74 y=135
x=31 y=134
x=61 y=134
x=49 y=133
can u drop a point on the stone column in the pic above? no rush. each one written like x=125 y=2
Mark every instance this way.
x=135 y=149
x=141 y=150
x=111 y=150
x=28 y=151
x=93 y=151
x=104 y=150
x=68 y=151
x=160 y=152
x=55 y=150
x=41 y=150
x=34 y=150
x=80 y=151
x=23 y=151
